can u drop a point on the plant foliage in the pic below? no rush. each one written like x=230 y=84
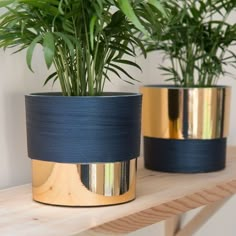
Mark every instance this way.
x=197 y=40
x=83 y=39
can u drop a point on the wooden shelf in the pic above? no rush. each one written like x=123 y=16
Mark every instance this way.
x=159 y=196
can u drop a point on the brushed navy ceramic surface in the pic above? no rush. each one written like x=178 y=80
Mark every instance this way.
x=186 y=156
x=83 y=129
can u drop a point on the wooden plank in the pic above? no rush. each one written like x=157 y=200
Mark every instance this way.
x=159 y=196
x=172 y=225
x=201 y=218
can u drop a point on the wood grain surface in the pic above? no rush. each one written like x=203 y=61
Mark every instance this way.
x=159 y=196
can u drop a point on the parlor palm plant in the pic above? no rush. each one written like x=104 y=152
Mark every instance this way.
x=197 y=41
x=83 y=39
x=84 y=144
x=185 y=129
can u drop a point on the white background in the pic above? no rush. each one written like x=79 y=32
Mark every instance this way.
x=16 y=81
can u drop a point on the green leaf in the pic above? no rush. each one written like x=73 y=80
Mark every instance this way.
x=91 y=30
x=4 y=3
x=49 y=48
x=49 y=78
x=30 y=51
x=60 y=7
x=106 y=76
x=129 y=12
x=139 y=43
x=121 y=49
x=158 y=5
x=50 y=6
x=112 y=70
x=122 y=70
x=68 y=27
x=66 y=39
x=127 y=62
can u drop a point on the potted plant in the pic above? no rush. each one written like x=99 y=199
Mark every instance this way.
x=83 y=142
x=185 y=123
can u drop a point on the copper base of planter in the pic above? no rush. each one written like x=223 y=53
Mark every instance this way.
x=84 y=184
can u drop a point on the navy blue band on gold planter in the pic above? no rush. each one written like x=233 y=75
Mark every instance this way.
x=184 y=156
x=94 y=129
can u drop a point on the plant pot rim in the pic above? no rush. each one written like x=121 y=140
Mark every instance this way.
x=169 y=86
x=105 y=95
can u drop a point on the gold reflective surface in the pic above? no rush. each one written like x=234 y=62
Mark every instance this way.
x=185 y=113
x=84 y=184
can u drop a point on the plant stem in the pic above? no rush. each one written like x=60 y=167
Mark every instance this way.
x=65 y=73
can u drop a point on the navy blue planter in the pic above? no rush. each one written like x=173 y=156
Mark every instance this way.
x=95 y=129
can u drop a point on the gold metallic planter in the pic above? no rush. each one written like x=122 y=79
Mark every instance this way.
x=186 y=117
x=166 y=111
x=84 y=184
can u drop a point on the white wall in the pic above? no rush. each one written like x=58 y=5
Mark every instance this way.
x=16 y=80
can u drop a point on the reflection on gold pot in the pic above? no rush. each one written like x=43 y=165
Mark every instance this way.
x=83 y=184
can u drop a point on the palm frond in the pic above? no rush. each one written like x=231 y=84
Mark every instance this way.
x=81 y=38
